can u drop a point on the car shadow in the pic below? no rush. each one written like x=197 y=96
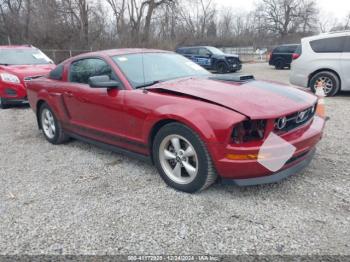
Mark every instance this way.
x=343 y=94
x=18 y=106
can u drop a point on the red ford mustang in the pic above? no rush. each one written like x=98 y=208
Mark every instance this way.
x=17 y=64
x=193 y=125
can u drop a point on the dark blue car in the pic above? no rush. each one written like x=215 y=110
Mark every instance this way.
x=212 y=58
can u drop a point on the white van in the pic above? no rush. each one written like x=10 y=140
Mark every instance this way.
x=323 y=60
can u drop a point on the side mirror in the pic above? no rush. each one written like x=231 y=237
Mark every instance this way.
x=103 y=82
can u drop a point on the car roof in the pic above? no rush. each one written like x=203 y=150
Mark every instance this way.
x=288 y=45
x=197 y=46
x=122 y=51
x=327 y=35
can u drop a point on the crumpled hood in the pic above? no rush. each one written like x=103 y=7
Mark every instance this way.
x=254 y=99
x=23 y=71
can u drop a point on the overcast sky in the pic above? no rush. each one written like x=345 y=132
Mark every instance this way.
x=337 y=8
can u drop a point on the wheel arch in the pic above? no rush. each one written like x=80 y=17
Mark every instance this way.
x=323 y=70
x=37 y=108
x=201 y=127
x=221 y=61
x=155 y=129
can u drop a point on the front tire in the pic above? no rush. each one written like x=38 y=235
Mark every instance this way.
x=182 y=159
x=328 y=81
x=51 y=127
x=3 y=103
x=221 y=68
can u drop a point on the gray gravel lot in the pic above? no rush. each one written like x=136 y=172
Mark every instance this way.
x=79 y=199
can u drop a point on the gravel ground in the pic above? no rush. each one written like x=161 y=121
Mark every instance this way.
x=78 y=199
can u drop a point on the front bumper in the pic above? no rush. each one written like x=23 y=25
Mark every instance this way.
x=13 y=92
x=303 y=140
x=235 y=67
x=276 y=177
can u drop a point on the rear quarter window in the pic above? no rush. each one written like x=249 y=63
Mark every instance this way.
x=285 y=49
x=328 y=45
x=292 y=48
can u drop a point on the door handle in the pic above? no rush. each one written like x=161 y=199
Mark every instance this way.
x=69 y=94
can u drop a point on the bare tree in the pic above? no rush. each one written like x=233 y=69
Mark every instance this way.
x=288 y=16
x=85 y=24
x=119 y=8
x=10 y=15
x=327 y=23
x=347 y=22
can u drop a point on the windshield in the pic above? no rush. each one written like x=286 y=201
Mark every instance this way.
x=215 y=51
x=23 y=57
x=148 y=68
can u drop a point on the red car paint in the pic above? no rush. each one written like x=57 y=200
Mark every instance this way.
x=21 y=71
x=127 y=117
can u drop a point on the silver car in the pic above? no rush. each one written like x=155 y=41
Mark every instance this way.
x=323 y=61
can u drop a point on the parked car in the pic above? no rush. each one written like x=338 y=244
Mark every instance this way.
x=282 y=56
x=212 y=58
x=18 y=64
x=323 y=61
x=193 y=125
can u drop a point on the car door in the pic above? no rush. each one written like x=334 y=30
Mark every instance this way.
x=345 y=65
x=186 y=52
x=192 y=54
x=94 y=112
x=204 y=57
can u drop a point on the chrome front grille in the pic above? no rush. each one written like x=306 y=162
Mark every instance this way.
x=292 y=121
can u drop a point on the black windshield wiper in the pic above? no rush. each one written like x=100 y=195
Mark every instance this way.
x=148 y=84
x=4 y=64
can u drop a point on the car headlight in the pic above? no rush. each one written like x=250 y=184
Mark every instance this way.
x=9 y=78
x=247 y=131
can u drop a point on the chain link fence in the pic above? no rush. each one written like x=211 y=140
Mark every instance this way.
x=249 y=54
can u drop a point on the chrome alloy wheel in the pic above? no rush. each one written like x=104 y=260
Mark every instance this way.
x=325 y=82
x=48 y=123
x=178 y=159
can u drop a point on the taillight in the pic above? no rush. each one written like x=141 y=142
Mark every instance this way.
x=295 y=56
x=250 y=130
x=269 y=56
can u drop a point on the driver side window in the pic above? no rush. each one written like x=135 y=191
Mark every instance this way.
x=204 y=52
x=80 y=71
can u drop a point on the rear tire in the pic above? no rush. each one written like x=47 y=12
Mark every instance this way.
x=329 y=81
x=51 y=127
x=182 y=159
x=279 y=65
x=3 y=103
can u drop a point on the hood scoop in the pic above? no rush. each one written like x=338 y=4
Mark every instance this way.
x=239 y=78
